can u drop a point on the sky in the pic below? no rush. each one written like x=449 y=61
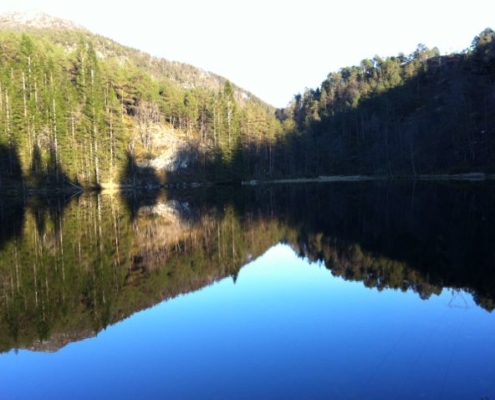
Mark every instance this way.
x=271 y=48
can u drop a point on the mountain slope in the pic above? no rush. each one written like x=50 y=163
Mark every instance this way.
x=29 y=21
x=400 y=116
x=82 y=109
x=67 y=34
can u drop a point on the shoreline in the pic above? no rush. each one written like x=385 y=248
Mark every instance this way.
x=471 y=177
x=108 y=188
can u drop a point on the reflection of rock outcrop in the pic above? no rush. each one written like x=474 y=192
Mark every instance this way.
x=192 y=249
x=172 y=210
x=59 y=340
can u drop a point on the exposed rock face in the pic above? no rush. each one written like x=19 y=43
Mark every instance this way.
x=20 y=21
x=172 y=150
x=171 y=160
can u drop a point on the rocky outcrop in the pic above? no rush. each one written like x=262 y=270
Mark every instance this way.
x=165 y=149
x=21 y=21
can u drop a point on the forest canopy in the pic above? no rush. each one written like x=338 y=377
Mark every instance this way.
x=77 y=109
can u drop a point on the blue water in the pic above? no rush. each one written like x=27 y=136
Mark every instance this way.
x=287 y=329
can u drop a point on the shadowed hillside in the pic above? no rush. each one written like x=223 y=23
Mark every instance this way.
x=400 y=116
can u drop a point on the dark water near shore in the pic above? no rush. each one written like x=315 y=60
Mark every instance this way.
x=342 y=290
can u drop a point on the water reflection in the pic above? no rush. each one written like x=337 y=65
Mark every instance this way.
x=286 y=329
x=71 y=267
x=11 y=219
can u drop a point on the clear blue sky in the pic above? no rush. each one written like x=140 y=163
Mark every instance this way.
x=275 y=49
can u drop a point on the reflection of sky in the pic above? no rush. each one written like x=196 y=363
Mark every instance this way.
x=285 y=330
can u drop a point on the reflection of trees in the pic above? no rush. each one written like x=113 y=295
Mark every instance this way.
x=413 y=235
x=58 y=268
x=11 y=209
x=375 y=271
x=74 y=273
x=77 y=266
x=11 y=220
x=10 y=166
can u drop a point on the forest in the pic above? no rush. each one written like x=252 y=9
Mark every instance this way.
x=78 y=110
x=88 y=112
x=398 y=116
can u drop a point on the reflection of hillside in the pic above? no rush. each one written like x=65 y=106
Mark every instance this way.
x=422 y=236
x=194 y=249
x=75 y=275
x=70 y=274
x=160 y=230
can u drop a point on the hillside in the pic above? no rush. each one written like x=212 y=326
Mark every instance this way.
x=82 y=109
x=78 y=109
x=406 y=115
x=67 y=34
x=32 y=21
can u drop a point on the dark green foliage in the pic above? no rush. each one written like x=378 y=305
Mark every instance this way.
x=399 y=116
x=483 y=52
x=74 y=108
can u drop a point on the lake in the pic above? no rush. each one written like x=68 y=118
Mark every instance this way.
x=317 y=291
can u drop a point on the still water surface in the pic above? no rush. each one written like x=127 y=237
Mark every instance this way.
x=269 y=320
